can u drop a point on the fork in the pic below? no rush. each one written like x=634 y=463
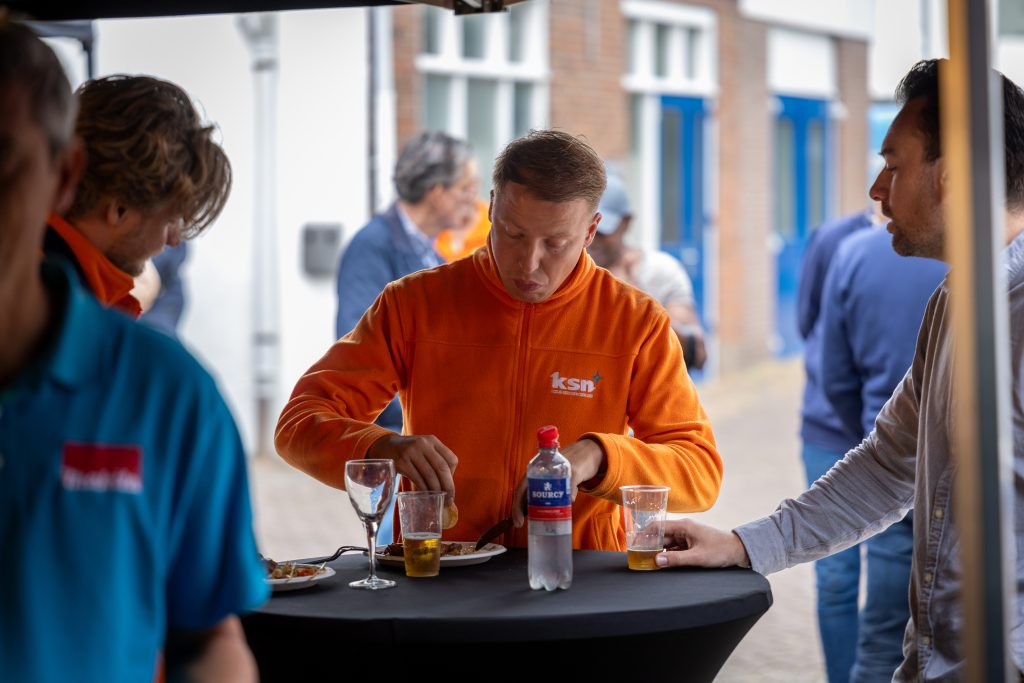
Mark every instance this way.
x=337 y=553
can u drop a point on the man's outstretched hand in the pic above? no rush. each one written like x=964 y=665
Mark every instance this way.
x=692 y=544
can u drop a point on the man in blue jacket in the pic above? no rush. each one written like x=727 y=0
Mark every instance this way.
x=825 y=440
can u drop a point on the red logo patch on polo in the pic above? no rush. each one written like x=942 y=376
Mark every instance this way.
x=97 y=467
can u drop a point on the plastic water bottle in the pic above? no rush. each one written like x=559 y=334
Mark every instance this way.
x=550 y=515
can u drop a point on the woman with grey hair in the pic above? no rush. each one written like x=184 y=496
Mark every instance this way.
x=436 y=182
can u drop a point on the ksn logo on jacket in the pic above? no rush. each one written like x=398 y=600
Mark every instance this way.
x=574 y=386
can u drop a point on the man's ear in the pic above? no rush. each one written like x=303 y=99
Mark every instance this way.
x=70 y=164
x=115 y=212
x=490 y=209
x=941 y=178
x=433 y=194
x=592 y=230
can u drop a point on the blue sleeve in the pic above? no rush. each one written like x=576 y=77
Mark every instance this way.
x=214 y=570
x=840 y=377
x=365 y=270
x=808 y=294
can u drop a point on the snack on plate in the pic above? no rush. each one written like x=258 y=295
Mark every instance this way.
x=450 y=515
x=448 y=549
x=290 y=570
x=453 y=549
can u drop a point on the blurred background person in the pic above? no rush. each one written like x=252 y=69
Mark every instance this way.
x=154 y=176
x=470 y=235
x=824 y=439
x=437 y=183
x=164 y=310
x=654 y=272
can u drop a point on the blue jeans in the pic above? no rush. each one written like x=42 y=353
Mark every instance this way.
x=867 y=646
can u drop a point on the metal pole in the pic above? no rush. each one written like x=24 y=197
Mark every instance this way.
x=382 y=108
x=972 y=143
x=260 y=33
x=371 y=118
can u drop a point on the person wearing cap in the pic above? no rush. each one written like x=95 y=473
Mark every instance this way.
x=654 y=272
x=524 y=332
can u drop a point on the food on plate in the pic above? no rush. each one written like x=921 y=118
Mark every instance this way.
x=452 y=549
x=450 y=515
x=290 y=570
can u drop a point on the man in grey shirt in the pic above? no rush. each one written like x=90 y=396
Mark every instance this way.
x=653 y=272
x=906 y=461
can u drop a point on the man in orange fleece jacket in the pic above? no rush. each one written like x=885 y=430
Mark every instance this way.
x=483 y=351
x=153 y=176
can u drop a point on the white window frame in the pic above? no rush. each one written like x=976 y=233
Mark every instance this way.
x=682 y=22
x=494 y=66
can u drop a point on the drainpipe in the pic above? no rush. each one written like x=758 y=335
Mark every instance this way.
x=260 y=34
x=381 y=120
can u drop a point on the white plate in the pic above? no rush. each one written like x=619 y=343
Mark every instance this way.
x=479 y=557
x=295 y=583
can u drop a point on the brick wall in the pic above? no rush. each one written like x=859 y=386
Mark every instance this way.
x=587 y=60
x=408 y=34
x=746 y=281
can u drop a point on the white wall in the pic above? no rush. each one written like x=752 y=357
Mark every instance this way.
x=848 y=18
x=909 y=30
x=1010 y=58
x=321 y=175
x=801 y=64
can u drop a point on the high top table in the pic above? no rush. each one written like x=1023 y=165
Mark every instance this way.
x=470 y=620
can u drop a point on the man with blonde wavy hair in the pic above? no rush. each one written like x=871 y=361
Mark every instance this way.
x=153 y=177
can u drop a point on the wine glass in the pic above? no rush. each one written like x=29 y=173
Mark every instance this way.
x=370 y=485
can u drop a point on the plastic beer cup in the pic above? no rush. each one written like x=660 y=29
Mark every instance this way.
x=420 y=515
x=645 y=508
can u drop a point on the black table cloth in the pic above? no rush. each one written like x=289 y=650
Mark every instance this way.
x=484 y=614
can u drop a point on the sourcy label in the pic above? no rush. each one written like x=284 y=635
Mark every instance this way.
x=550 y=499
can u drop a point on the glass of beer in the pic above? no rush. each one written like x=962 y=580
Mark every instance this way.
x=645 y=508
x=419 y=513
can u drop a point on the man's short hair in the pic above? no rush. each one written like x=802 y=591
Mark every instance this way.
x=28 y=63
x=922 y=81
x=427 y=160
x=553 y=166
x=147 y=146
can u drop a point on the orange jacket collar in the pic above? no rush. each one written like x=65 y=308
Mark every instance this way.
x=111 y=285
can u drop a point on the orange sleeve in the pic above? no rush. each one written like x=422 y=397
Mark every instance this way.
x=329 y=418
x=672 y=443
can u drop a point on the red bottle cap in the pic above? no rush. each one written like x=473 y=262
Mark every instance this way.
x=547 y=436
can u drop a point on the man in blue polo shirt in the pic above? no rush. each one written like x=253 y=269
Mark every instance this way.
x=124 y=510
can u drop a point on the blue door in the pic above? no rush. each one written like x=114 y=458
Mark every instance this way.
x=682 y=187
x=801 y=170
